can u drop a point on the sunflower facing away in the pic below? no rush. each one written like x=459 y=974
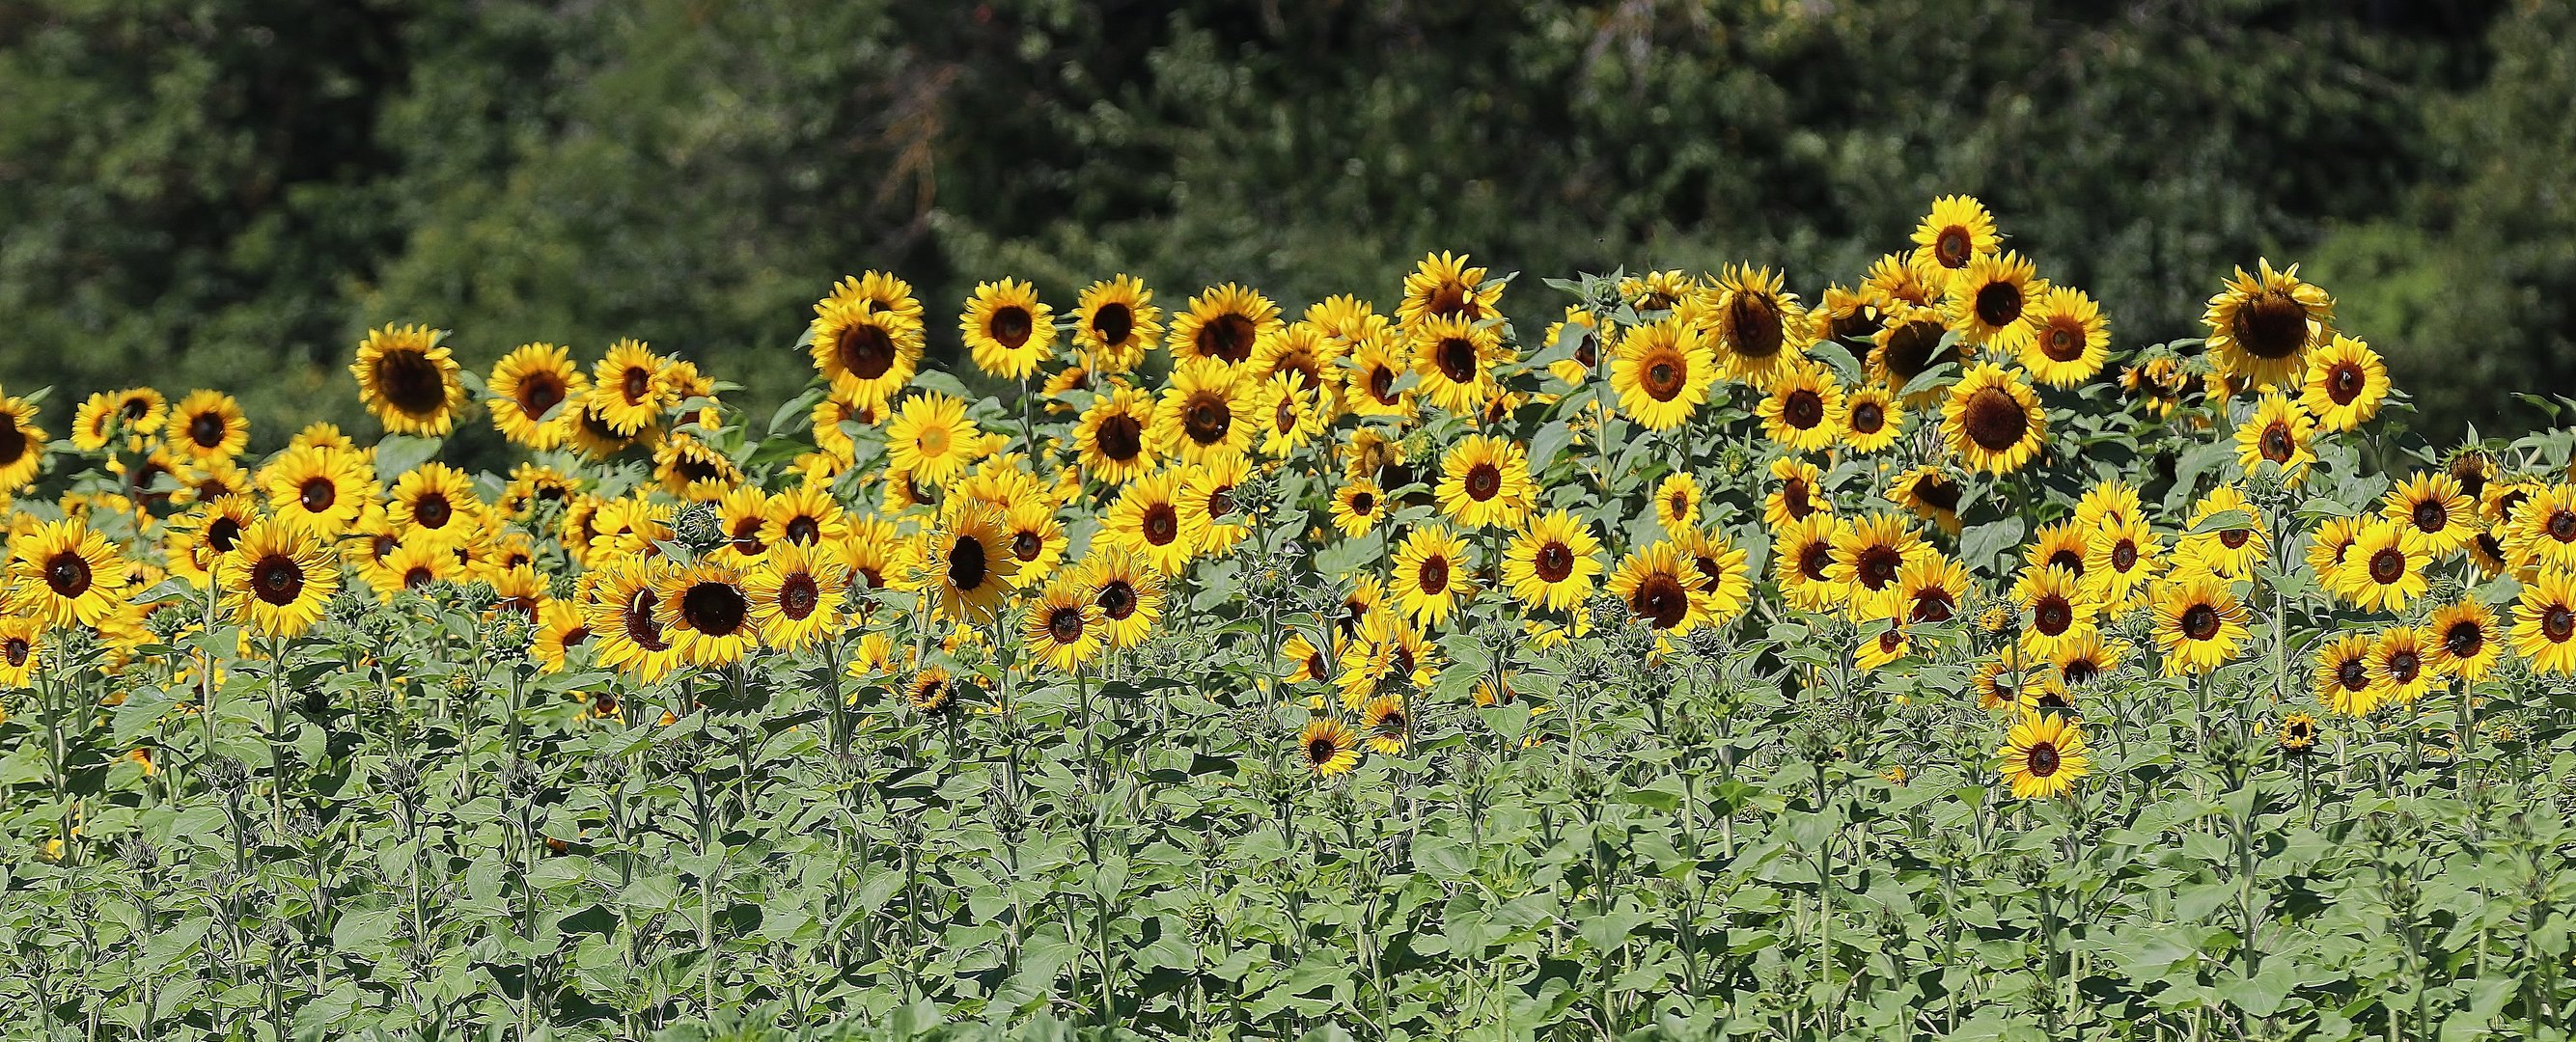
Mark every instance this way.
x=408 y=379
x=2043 y=755
x=1662 y=372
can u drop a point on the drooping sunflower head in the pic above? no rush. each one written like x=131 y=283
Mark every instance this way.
x=409 y=379
x=2264 y=323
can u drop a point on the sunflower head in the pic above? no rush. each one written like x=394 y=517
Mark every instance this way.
x=409 y=379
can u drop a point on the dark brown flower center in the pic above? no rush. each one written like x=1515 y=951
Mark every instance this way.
x=2043 y=760
x=798 y=596
x=277 y=579
x=1162 y=524
x=1456 y=357
x=2276 y=444
x=1206 y=417
x=1868 y=418
x=2235 y=538
x=1112 y=323
x=1660 y=600
x=2272 y=326
x=1320 y=751
x=411 y=382
x=2067 y=559
x=1363 y=504
x=1433 y=577
x=317 y=494
x=1484 y=481
x=2352 y=674
x=1755 y=319
x=746 y=537
x=1663 y=379
x=2063 y=341
x=864 y=350
x=2562 y=526
x=207 y=429
x=2558 y=623
x=68 y=574
x=1999 y=304
x=1065 y=624
x=433 y=510
x=641 y=627
x=1794 y=499
x=2431 y=516
x=1911 y=349
x=1381 y=384
x=1117 y=599
x=1934 y=604
x=13 y=439
x=1228 y=336
x=2200 y=622
x=1951 y=248
x=1814 y=559
x=2052 y=615
x=1878 y=565
x=16 y=651
x=717 y=609
x=966 y=567
x=2124 y=556
x=1121 y=437
x=222 y=533
x=2464 y=639
x=1011 y=326
x=2345 y=382
x=1994 y=419
x=2403 y=664
x=2387 y=566
x=1553 y=562
x=804 y=529
x=1803 y=409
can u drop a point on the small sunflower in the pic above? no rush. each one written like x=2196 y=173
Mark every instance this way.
x=1357 y=505
x=409 y=380
x=796 y=594
x=1485 y=483
x=1330 y=747
x=1931 y=493
x=1662 y=372
x=1224 y=324
x=2066 y=340
x=2544 y=622
x=1958 y=230
x=1203 y=413
x=1432 y=574
x=1797 y=494
x=969 y=567
x=1291 y=414
x=1388 y=724
x=536 y=392
x=21 y=640
x=1443 y=286
x=1802 y=560
x=1677 y=501
x=1008 y=330
x=1800 y=407
x=1148 y=521
x=628 y=393
x=2085 y=657
x=2541 y=532
x=1868 y=558
x=206 y=426
x=806 y=515
x=2464 y=640
x=2278 y=433
x=2402 y=669
x=2433 y=507
x=2344 y=385
x=1129 y=593
x=866 y=353
x=2231 y=550
x=1373 y=377
x=2043 y=755
x=1914 y=342
x=1990 y=301
x=1454 y=358
x=2262 y=326
x=1719 y=575
x=434 y=503
x=932 y=692
x=1992 y=420
x=2298 y=734
x=1035 y=539
x=2198 y=624
x=1870 y=419
x=22 y=445
x=1553 y=563
x=932 y=439
x=1061 y=627
x=1115 y=322
x=63 y=573
x=2342 y=675
x=1899 y=280
x=2060 y=610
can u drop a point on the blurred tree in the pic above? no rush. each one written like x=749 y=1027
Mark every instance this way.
x=228 y=194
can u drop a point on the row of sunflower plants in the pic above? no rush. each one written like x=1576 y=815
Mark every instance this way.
x=1696 y=663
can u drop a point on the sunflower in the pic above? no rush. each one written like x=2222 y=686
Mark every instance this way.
x=1062 y=627
x=1992 y=419
x=1290 y=412
x=1914 y=342
x=1719 y=576
x=1890 y=643
x=877 y=554
x=2278 y=433
x=20 y=642
x=1797 y=496
x=1442 y=286
x=277 y=578
x=1660 y=588
x=517 y=589
x=536 y=392
x=1115 y=322
x=1799 y=408
x=594 y=436
x=2342 y=677
x=1129 y=593
x=2059 y=610
x=1553 y=563
x=1957 y=231
x=2401 y=666
x=1203 y=413
x=1008 y=330
x=1224 y=324
x=2463 y=640
x=1588 y=336
x=1991 y=301
x=707 y=613
x=2234 y=549
x=434 y=502
x=1802 y=559
x=1657 y=290
x=969 y=567
x=1388 y=725
x=2198 y=624
x=2065 y=341
x=199 y=545
x=875 y=291
x=796 y=594
x=1110 y=439
x=1870 y=419
x=22 y=445
x=2263 y=324
x=865 y=353
x=2043 y=754
x=2344 y=384
x=1454 y=357
x=1331 y=748
x=2085 y=657
x=207 y=426
x=64 y=573
x=1931 y=493
x=2298 y=734
x=1677 y=501
x=1308 y=663
x=932 y=439
x=932 y=692
x=2433 y=507
x=2541 y=532
x=1373 y=378
x=408 y=379
x=1869 y=556
x=2120 y=558
x=1897 y=281
x=806 y=515
x=2060 y=545
x=1148 y=521
x=628 y=392
x=411 y=566
x=1432 y=572
x=2384 y=569
x=1930 y=591
x=1485 y=482
x=138 y=412
x=1662 y=373
x=1759 y=332
x=1356 y=506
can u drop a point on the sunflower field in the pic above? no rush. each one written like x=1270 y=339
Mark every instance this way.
x=1649 y=655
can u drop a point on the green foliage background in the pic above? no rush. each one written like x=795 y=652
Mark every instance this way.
x=228 y=194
